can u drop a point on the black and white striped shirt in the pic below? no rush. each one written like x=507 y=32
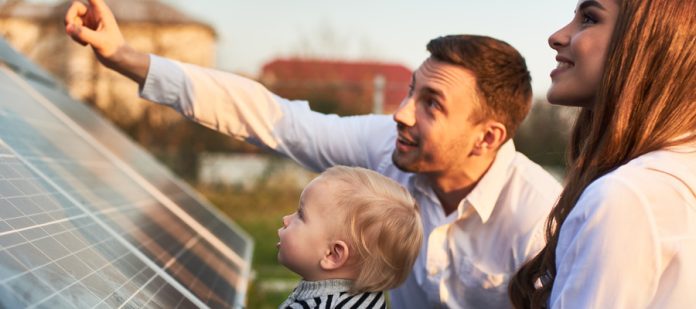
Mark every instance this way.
x=331 y=294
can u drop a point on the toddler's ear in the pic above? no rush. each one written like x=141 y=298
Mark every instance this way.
x=336 y=256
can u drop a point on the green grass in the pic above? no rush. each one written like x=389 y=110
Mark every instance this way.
x=259 y=212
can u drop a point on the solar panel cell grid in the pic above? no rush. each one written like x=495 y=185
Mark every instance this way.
x=81 y=228
x=76 y=261
x=151 y=170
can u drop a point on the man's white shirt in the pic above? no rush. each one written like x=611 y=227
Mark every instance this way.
x=467 y=256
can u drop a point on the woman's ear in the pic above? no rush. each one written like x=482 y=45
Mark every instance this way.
x=336 y=256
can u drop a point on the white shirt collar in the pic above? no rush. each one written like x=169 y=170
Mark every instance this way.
x=484 y=196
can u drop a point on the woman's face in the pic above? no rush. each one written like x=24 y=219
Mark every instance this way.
x=581 y=48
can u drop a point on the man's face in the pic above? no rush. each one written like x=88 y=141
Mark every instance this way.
x=437 y=121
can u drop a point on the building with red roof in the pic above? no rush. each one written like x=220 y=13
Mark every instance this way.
x=343 y=87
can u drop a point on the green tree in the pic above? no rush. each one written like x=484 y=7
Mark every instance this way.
x=544 y=134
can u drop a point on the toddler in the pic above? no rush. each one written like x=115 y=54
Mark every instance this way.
x=355 y=234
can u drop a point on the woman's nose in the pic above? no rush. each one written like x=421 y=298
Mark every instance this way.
x=559 y=38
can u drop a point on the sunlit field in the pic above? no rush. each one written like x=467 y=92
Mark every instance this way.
x=258 y=211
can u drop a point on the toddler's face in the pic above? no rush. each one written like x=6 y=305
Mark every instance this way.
x=305 y=234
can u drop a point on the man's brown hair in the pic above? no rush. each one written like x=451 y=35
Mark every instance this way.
x=502 y=78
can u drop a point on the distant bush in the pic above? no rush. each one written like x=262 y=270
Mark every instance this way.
x=543 y=136
x=259 y=211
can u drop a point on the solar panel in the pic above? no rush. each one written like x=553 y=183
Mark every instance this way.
x=22 y=65
x=89 y=219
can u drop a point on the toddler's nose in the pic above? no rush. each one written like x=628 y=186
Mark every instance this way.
x=285 y=221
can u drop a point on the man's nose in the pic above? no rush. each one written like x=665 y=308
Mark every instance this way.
x=406 y=113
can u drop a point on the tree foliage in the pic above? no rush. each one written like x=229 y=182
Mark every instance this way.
x=544 y=134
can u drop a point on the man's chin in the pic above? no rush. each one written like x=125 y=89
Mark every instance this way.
x=403 y=163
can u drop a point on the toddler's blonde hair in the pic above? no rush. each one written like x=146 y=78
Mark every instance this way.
x=382 y=226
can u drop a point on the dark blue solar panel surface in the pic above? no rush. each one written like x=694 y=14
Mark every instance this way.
x=80 y=227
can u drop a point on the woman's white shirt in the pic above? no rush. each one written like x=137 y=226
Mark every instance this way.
x=630 y=242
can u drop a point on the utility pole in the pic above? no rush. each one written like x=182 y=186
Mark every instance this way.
x=378 y=94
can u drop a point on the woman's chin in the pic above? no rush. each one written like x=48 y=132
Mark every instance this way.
x=556 y=97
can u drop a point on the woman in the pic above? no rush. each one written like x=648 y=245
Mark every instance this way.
x=623 y=234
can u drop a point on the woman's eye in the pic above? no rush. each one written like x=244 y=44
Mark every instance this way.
x=588 y=19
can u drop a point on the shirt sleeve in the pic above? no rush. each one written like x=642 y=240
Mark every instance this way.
x=246 y=110
x=608 y=250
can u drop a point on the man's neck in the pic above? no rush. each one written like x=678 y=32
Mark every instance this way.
x=453 y=186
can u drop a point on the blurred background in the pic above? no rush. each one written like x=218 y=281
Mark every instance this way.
x=343 y=57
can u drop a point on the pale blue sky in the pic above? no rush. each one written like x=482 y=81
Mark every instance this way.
x=254 y=32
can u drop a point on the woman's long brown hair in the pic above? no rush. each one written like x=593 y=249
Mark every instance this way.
x=646 y=102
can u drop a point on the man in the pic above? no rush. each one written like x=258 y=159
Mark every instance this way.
x=482 y=203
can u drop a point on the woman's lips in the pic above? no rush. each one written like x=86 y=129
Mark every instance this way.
x=562 y=65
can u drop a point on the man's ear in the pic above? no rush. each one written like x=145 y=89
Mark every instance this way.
x=492 y=137
x=336 y=255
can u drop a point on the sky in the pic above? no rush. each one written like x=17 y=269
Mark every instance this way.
x=251 y=33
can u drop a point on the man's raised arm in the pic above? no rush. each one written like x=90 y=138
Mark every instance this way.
x=232 y=104
x=94 y=25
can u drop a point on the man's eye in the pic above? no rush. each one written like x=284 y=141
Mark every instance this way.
x=432 y=103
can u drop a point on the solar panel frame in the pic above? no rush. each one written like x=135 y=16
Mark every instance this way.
x=147 y=166
x=31 y=258
x=23 y=66
x=26 y=228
